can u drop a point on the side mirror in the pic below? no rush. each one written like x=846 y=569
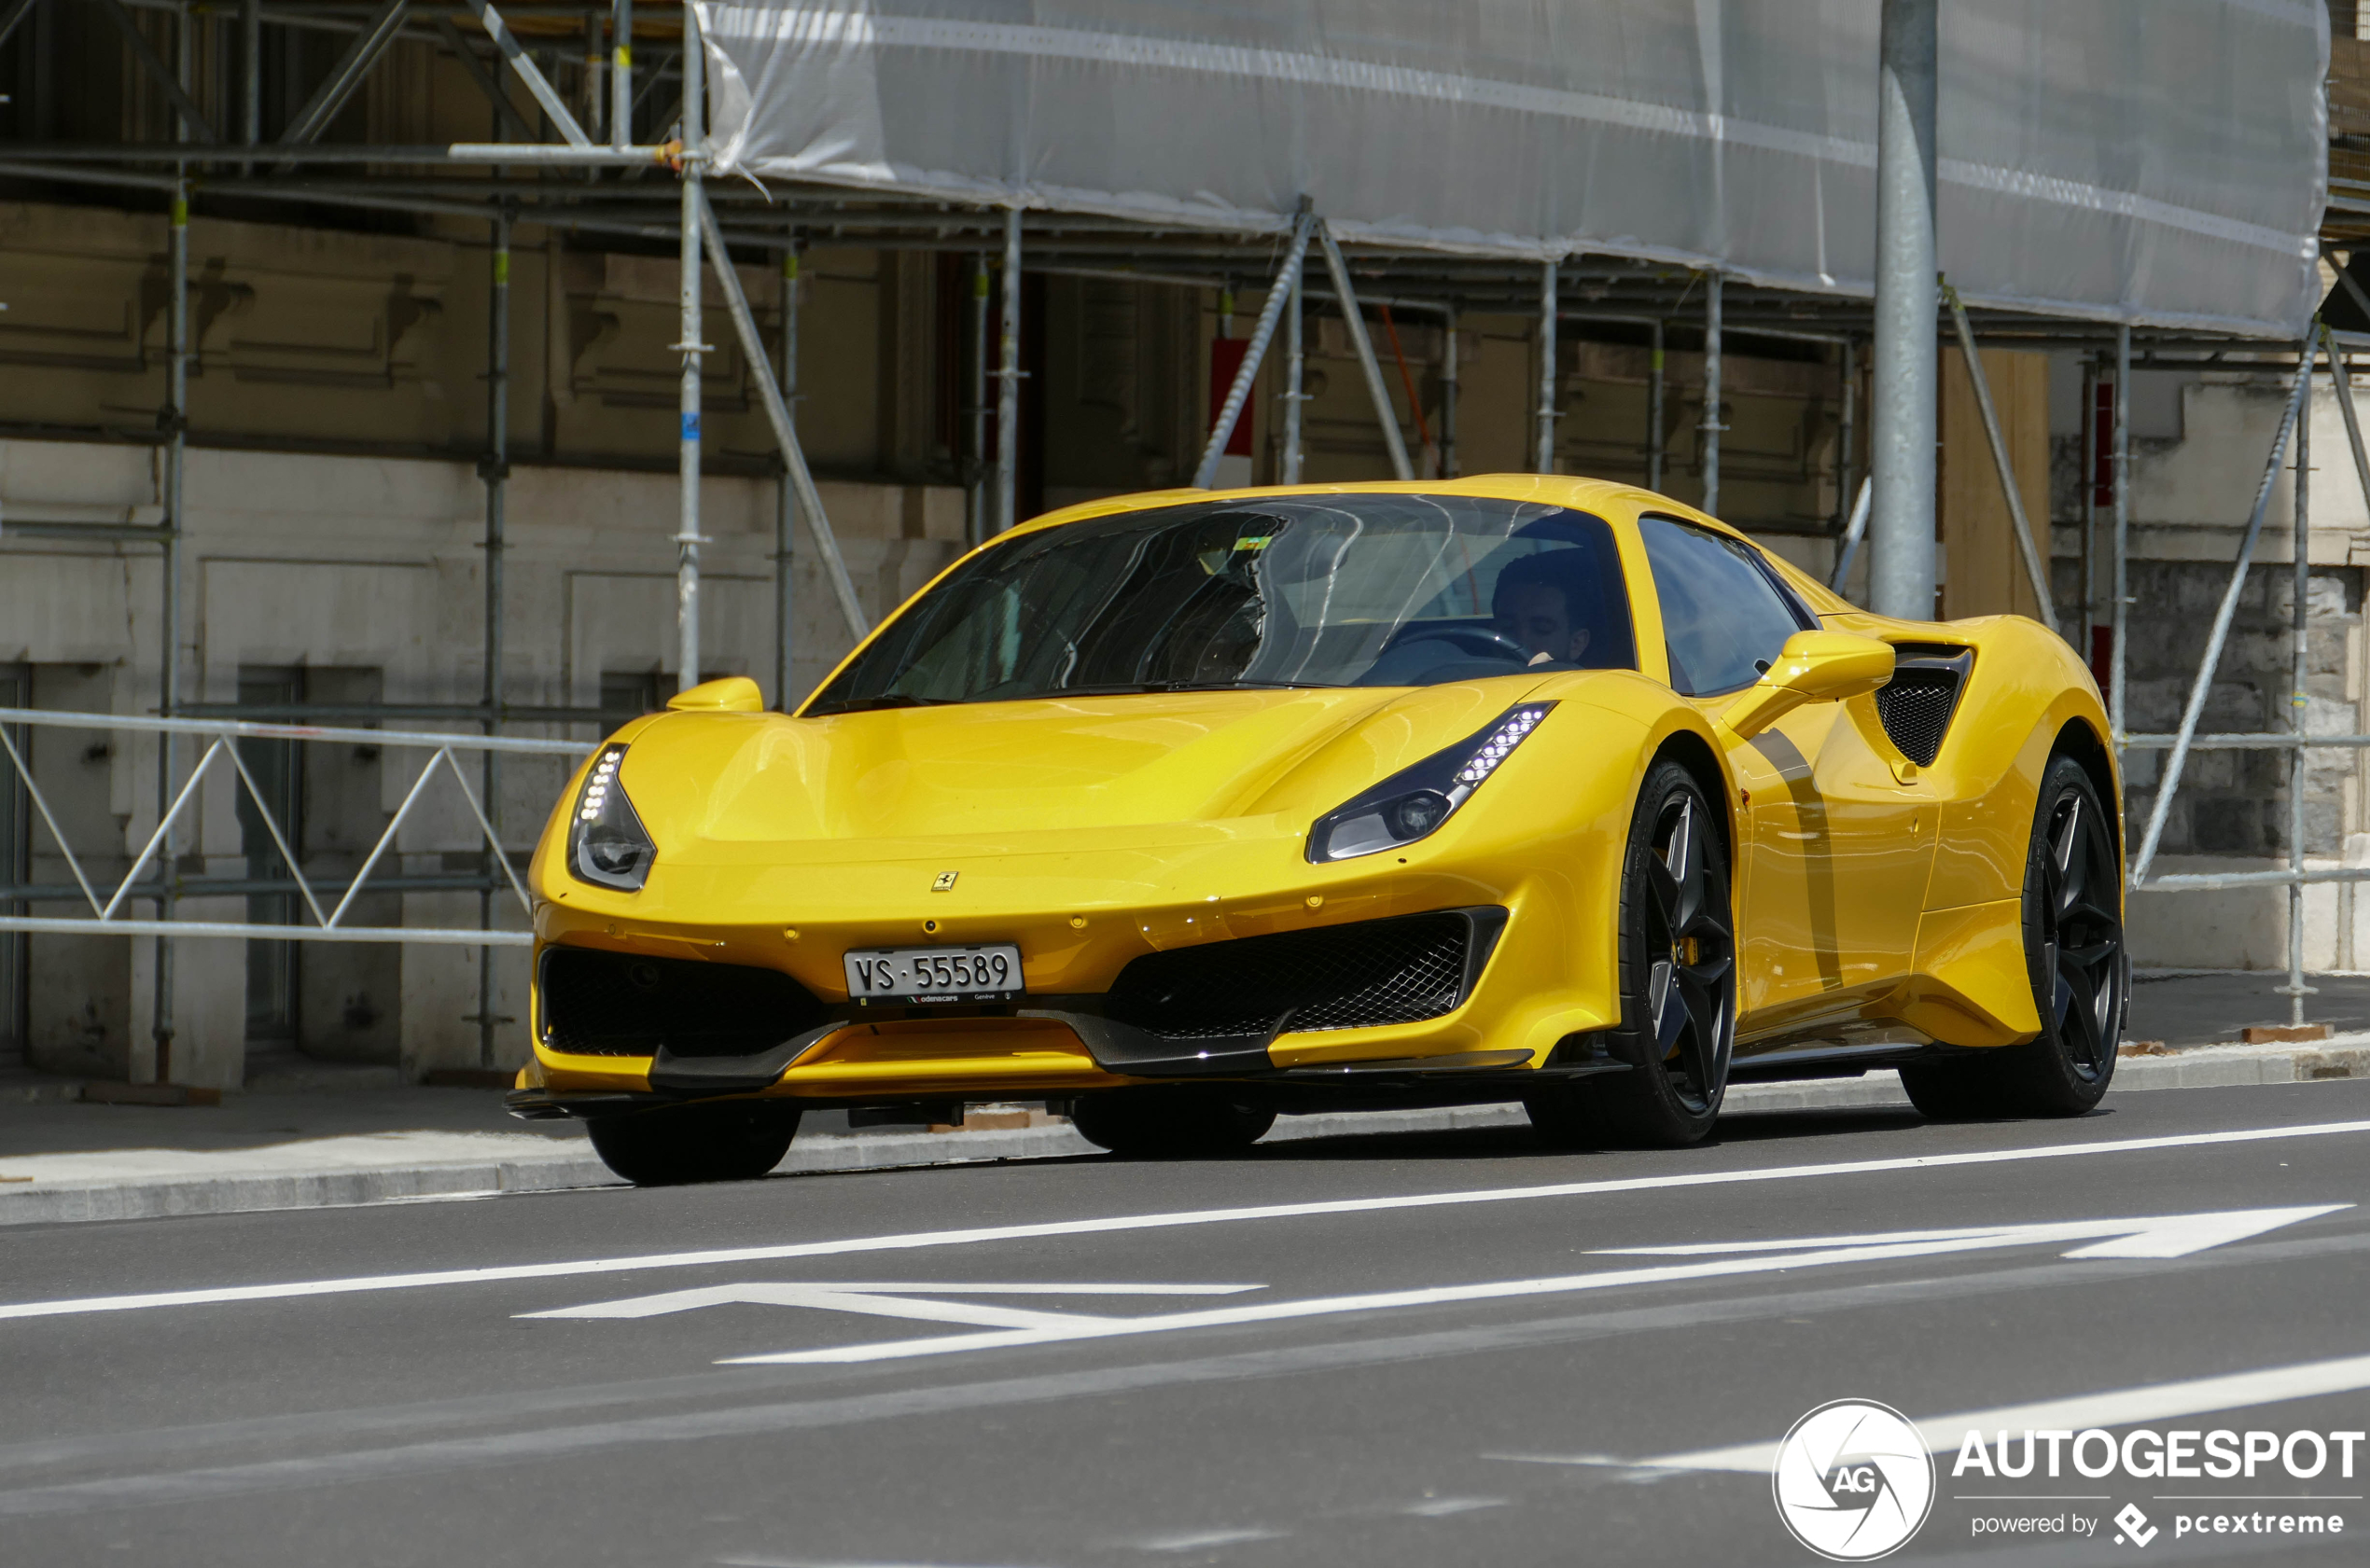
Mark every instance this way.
x=1813 y=667
x=733 y=694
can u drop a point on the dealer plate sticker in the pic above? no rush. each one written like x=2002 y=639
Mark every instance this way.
x=943 y=974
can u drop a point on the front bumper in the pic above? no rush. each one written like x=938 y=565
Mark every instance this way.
x=1371 y=1000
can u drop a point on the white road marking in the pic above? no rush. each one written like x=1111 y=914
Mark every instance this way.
x=2116 y=1408
x=1441 y=1508
x=288 y=1290
x=1201 y=1540
x=2167 y=1236
x=881 y=1300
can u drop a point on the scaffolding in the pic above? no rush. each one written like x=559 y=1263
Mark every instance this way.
x=624 y=153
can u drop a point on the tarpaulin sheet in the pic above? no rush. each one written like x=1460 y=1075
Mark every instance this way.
x=2159 y=161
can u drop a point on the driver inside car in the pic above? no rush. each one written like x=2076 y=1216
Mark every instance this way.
x=1539 y=601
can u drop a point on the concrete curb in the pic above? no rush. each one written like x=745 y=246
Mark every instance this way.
x=572 y=1166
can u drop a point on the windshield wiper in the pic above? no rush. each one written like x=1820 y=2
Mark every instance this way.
x=1118 y=688
x=893 y=699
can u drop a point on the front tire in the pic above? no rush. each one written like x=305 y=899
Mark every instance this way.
x=1168 y=1123
x=2079 y=971
x=724 y=1140
x=1678 y=984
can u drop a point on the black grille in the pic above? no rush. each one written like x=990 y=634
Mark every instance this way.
x=1345 y=976
x=606 y=1004
x=1916 y=703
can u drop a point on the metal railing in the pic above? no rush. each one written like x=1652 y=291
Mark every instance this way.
x=327 y=922
x=2294 y=424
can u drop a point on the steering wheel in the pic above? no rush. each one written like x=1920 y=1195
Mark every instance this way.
x=1477 y=640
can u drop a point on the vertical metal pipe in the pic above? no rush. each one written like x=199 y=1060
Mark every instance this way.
x=1295 y=369
x=1711 y=428
x=496 y=472
x=2087 y=512
x=622 y=73
x=1545 y=462
x=2300 y=592
x=1654 y=410
x=785 y=497
x=2119 y=656
x=686 y=537
x=1901 y=578
x=976 y=523
x=1847 y=412
x=176 y=423
x=176 y=420
x=1007 y=391
x=251 y=83
x=1448 y=369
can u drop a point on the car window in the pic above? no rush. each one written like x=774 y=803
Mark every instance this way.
x=1724 y=620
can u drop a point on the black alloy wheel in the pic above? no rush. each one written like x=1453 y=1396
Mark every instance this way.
x=2083 y=963
x=1678 y=983
x=2079 y=969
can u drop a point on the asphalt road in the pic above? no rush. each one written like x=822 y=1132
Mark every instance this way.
x=1370 y=1350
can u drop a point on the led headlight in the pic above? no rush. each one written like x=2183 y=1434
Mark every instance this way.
x=608 y=845
x=1414 y=801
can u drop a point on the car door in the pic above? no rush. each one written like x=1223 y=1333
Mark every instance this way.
x=1836 y=848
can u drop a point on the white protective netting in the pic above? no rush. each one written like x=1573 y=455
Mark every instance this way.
x=2161 y=161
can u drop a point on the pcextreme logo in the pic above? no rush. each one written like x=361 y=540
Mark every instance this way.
x=1853 y=1480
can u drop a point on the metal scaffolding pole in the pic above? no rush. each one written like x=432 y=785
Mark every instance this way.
x=1295 y=367
x=2118 y=657
x=176 y=419
x=1544 y=461
x=1710 y=427
x=2300 y=593
x=1448 y=456
x=495 y=470
x=976 y=494
x=784 y=490
x=1271 y=309
x=777 y=415
x=1007 y=390
x=1354 y=322
x=251 y=80
x=2221 y=619
x=687 y=533
x=2035 y=571
x=1901 y=578
x=2086 y=509
x=1655 y=406
x=1847 y=411
x=622 y=73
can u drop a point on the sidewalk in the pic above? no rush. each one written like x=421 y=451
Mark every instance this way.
x=311 y=1147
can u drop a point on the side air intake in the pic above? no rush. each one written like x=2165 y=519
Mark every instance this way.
x=1916 y=705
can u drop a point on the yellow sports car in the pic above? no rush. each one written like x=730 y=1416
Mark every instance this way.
x=1181 y=811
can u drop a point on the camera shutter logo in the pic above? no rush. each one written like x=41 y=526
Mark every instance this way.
x=1853 y=1480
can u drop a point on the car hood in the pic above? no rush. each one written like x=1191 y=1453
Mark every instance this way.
x=1141 y=768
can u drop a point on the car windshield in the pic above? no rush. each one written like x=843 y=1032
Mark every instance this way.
x=1324 y=591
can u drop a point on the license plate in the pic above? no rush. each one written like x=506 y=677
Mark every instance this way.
x=942 y=973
